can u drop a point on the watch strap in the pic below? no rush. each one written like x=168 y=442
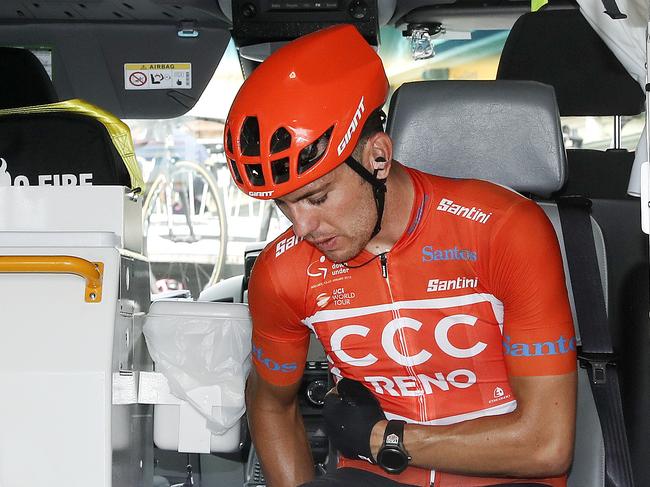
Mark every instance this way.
x=394 y=433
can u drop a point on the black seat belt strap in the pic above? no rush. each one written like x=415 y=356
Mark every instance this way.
x=611 y=9
x=596 y=353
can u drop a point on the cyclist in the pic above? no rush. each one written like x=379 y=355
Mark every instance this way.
x=440 y=303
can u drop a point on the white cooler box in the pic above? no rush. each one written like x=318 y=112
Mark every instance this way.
x=202 y=357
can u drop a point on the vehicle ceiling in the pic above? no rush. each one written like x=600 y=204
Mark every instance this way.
x=91 y=40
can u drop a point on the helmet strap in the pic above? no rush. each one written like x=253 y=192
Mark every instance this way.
x=378 y=188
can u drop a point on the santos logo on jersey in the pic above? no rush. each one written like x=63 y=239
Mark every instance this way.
x=271 y=364
x=430 y=254
x=560 y=346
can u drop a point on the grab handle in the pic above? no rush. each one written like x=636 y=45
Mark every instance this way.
x=92 y=272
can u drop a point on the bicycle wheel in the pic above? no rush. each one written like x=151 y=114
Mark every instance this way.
x=184 y=224
x=273 y=222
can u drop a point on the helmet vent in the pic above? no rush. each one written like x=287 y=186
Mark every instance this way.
x=313 y=153
x=255 y=174
x=235 y=171
x=280 y=140
x=280 y=170
x=229 y=142
x=250 y=137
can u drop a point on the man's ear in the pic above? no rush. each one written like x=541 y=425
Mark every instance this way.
x=380 y=154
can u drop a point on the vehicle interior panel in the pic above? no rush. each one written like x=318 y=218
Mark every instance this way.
x=598 y=174
x=627 y=251
x=162 y=11
x=458 y=14
x=262 y=21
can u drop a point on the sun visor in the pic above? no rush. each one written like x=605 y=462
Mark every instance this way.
x=132 y=70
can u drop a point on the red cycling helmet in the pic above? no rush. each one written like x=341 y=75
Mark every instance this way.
x=299 y=115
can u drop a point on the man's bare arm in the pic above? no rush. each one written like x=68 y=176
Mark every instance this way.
x=278 y=432
x=536 y=440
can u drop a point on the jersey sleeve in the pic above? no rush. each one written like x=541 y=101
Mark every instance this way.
x=528 y=277
x=280 y=340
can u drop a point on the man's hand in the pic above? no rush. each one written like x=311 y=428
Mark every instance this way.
x=351 y=412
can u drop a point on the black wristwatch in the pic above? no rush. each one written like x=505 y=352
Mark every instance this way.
x=392 y=455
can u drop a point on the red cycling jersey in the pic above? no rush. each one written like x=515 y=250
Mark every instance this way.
x=473 y=292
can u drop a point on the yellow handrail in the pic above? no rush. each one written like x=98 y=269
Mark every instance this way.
x=92 y=272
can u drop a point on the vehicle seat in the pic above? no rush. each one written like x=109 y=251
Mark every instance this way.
x=560 y=48
x=29 y=83
x=507 y=132
x=44 y=141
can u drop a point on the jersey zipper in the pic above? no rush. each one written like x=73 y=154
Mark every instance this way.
x=384 y=268
x=383 y=260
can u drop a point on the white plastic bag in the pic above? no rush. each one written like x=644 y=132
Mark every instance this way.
x=198 y=345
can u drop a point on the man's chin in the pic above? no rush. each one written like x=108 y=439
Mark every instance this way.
x=340 y=256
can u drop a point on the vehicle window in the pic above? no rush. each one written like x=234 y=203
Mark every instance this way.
x=461 y=55
x=197 y=224
x=598 y=132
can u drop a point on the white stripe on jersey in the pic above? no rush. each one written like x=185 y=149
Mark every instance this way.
x=505 y=408
x=432 y=303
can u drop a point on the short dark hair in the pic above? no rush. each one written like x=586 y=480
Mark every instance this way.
x=373 y=125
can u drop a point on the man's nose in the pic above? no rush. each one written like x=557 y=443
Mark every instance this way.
x=304 y=221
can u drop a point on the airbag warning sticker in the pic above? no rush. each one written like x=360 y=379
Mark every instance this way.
x=158 y=76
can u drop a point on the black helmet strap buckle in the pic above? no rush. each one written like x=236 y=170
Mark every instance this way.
x=378 y=188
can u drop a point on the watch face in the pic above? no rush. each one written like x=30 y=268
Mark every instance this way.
x=392 y=459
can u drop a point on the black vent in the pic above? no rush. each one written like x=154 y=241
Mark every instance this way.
x=255 y=174
x=250 y=137
x=280 y=140
x=235 y=171
x=280 y=170
x=313 y=153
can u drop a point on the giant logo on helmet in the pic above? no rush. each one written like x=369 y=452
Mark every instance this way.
x=263 y=194
x=352 y=128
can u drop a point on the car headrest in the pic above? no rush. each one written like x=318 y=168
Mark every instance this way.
x=507 y=132
x=560 y=48
x=68 y=143
x=25 y=81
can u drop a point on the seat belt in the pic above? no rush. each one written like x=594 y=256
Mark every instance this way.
x=611 y=9
x=596 y=353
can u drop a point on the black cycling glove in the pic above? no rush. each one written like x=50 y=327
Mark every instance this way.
x=350 y=416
